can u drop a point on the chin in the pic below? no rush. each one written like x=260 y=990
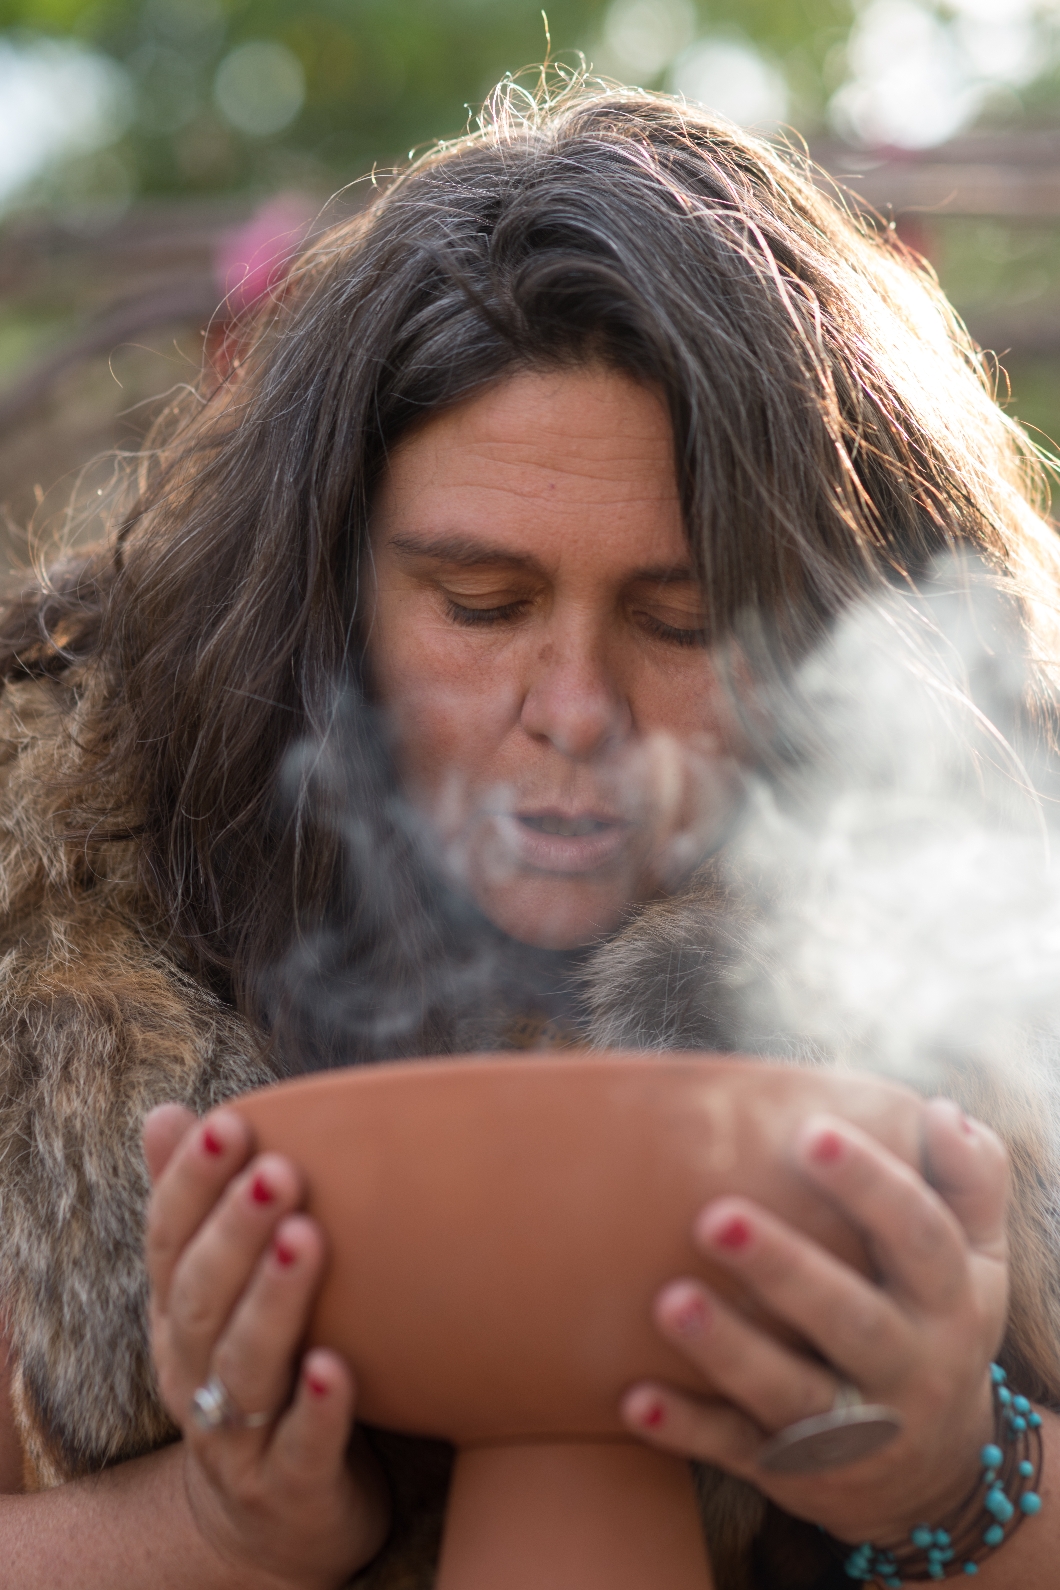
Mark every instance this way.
x=550 y=915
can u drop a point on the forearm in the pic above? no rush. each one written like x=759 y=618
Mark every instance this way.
x=128 y=1528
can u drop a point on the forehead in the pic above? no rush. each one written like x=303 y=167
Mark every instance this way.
x=547 y=464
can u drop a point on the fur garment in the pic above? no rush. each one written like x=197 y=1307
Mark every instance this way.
x=100 y=1022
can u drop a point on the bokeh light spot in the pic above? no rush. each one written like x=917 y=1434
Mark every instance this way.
x=641 y=37
x=734 y=79
x=260 y=87
x=58 y=99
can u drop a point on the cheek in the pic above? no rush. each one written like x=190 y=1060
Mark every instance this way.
x=448 y=707
x=686 y=700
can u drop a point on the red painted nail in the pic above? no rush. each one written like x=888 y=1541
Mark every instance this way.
x=826 y=1148
x=690 y=1315
x=211 y=1142
x=260 y=1190
x=284 y=1254
x=318 y=1387
x=653 y=1415
x=734 y=1234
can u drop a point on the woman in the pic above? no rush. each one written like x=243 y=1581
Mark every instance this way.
x=513 y=461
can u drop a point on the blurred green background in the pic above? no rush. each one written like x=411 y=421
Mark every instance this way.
x=138 y=137
x=217 y=96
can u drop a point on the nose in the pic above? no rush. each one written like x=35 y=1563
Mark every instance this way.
x=573 y=699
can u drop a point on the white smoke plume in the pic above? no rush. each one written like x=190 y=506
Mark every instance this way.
x=904 y=863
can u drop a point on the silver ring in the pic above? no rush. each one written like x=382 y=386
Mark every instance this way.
x=851 y=1429
x=213 y=1409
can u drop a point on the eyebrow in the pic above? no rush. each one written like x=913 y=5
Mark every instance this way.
x=468 y=552
x=464 y=550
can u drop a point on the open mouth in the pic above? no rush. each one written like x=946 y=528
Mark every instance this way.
x=560 y=842
x=565 y=827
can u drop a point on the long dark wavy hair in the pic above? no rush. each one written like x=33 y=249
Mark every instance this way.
x=834 y=429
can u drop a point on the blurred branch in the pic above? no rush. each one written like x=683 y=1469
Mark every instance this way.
x=195 y=301
x=156 y=267
x=1013 y=177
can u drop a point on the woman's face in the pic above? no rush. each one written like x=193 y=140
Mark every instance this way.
x=536 y=635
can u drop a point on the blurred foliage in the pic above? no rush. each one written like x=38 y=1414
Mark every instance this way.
x=989 y=260
x=380 y=76
x=1004 y=279
x=1030 y=392
x=376 y=78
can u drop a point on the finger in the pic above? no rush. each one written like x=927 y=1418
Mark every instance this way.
x=968 y=1165
x=770 y=1382
x=312 y=1454
x=218 y=1262
x=164 y=1128
x=254 y=1356
x=188 y=1188
x=914 y=1238
x=312 y=1436
x=709 y=1432
x=849 y=1320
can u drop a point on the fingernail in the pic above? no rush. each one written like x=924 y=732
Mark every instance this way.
x=734 y=1234
x=826 y=1148
x=964 y=1123
x=211 y=1142
x=688 y=1314
x=260 y=1190
x=318 y=1387
x=284 y=1255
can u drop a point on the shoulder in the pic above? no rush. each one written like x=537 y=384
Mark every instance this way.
x=37 y=749
x=90 y=987
x=99 y=1021
x=97 y=1025
x=37 y=721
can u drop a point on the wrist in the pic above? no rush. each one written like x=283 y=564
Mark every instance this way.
x=1005 y=1494
x=959 y=1470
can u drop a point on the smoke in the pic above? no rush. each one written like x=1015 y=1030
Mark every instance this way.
x=901 y=854
x=395 y=953
x=890 y=893
x=436 y=937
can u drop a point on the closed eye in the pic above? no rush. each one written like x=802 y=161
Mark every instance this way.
x=672 y=633
x=470 y=616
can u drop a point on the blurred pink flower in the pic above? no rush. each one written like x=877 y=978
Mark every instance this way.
x=255 y=257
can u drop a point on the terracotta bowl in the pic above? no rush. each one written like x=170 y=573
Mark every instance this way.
x=498 y=1229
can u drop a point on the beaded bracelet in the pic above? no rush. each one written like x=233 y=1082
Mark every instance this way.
x=1003 y=1496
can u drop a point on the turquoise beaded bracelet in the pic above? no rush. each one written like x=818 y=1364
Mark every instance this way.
x=1004 y=1495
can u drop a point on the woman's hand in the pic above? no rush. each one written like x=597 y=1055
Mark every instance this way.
x=234 y=1269
x=919 y=1341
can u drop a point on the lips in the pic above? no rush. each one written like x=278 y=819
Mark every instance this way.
x=566 y=842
